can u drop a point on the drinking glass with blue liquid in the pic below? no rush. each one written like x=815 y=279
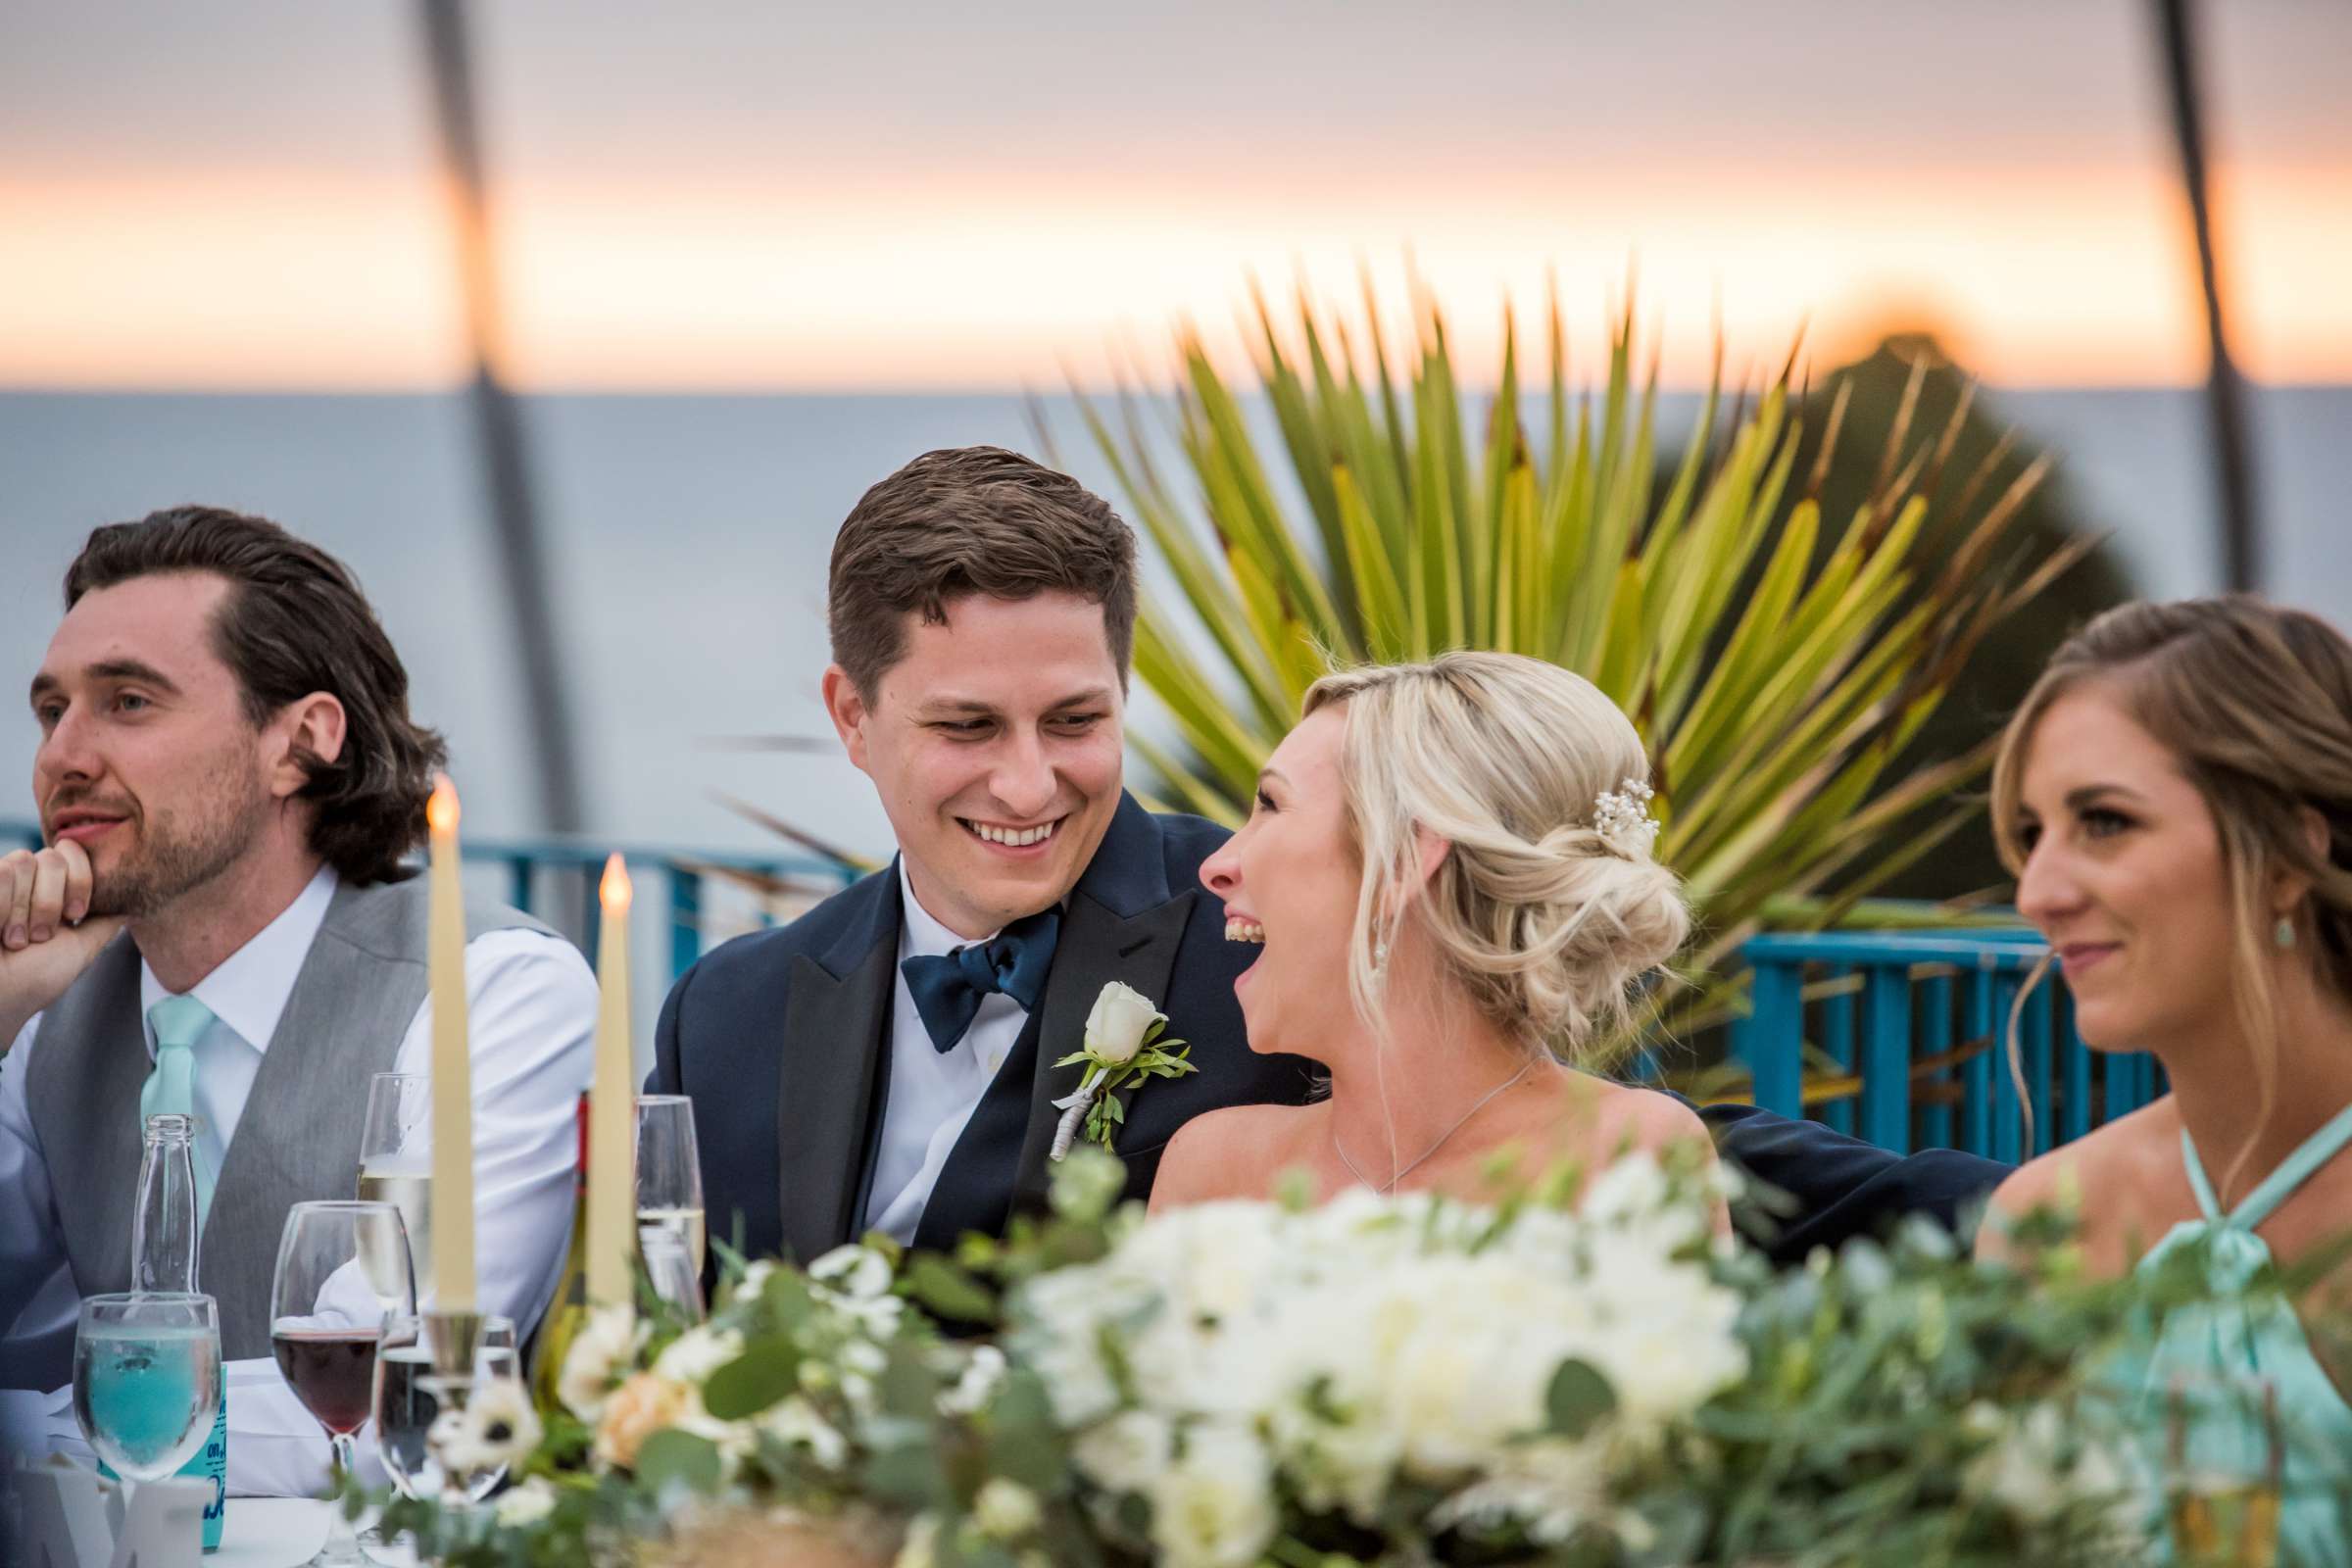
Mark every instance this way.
x=147 y=1379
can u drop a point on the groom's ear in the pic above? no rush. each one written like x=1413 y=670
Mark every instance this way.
x=847 y=706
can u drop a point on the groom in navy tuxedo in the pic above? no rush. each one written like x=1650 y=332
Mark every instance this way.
x=888 y=1060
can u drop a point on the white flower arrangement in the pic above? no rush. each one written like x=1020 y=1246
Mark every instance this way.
x=527 y=1505
x=1225 y=1355
x=606 y=1343
x=1390 y=1379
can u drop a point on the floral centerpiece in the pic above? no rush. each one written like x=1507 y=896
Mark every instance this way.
x=1585 y=1375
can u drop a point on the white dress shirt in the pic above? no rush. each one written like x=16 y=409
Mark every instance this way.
x=532 y=1006
x=933 y=1093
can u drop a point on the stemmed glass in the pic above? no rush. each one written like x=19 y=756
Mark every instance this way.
x=409 y=1397
x=343 y=1270
x=147 y=1379
x=396 y=1159
x=670 y=1173
x=2224 y=1465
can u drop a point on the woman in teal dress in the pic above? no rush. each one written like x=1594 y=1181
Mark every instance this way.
x=2175 y=798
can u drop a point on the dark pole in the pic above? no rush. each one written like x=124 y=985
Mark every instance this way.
x=515 y=517
x=2224 y=389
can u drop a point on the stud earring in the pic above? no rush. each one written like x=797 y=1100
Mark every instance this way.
x=1380 y=954
x=2284 y=933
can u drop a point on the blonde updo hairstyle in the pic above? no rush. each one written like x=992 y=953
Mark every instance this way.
x=1547 y=924
x=2254 y=702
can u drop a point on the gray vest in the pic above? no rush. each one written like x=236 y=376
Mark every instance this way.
x=298 y=1138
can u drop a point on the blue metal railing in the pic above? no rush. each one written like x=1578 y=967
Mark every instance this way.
x=1911 y=1026
x=1913 y=1029
x=535 y=867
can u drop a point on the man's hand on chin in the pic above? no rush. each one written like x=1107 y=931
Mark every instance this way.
x=46 y=940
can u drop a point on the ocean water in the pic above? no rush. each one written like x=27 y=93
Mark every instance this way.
x=688 y=537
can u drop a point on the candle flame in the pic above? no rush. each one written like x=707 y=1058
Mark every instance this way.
x=441 y=806
x=613 y=890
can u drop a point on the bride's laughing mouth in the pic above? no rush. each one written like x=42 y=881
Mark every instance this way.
x=1240 y=927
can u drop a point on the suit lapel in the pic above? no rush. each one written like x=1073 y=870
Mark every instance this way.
x=1120 y=925
x=829 y=1075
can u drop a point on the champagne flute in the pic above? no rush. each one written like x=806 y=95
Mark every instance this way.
x=670 y=1269
x=396 y=1159
x=2223 y=1461
x=147 y=1379
x=407 y=1398
x=670 y=1173
x=342 y=1270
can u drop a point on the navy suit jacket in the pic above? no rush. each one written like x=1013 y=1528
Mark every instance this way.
x=782 y=1039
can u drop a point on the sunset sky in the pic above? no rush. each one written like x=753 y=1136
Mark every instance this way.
x=243 y=194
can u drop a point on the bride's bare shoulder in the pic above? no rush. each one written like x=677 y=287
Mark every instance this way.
x=1614 y=1118
x=1230 y=1152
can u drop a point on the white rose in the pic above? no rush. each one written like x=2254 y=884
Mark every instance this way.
x=754 y=1280
x=981 y=1378
x=921 y=1549
x=1115 y=1029
x=2022 y=1470
x=856 y=1271
x=1214 y=1508
x=1006 y=1510
x=1125 y=1452
x=2044 y=1462
x=599 y=1352
x=527 y=1505
x=695 y=1355
x=794 y=1422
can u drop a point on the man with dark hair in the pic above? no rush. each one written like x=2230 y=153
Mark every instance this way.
x=888 y=1061
x=219 y=925
x=896 y=1059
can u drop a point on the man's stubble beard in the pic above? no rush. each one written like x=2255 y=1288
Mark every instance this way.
x=171 y=862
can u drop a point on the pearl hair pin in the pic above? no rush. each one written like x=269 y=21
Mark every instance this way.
x=1621 y=817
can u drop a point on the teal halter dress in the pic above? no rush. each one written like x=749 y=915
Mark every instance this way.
x=2245 y=1338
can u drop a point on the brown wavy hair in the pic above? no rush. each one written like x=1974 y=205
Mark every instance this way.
x=295 y=622
x=2254 y=702
x=971 y=521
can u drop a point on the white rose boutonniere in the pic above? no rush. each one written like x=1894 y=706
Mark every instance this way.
x=1125 y=1044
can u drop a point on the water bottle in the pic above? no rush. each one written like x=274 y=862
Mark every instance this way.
x=163 y=1258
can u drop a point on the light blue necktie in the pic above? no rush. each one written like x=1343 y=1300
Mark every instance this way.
x=178 y=1023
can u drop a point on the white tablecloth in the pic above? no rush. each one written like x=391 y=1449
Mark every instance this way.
x=282 y=1532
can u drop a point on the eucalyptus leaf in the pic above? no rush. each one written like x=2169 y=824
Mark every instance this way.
x=906 y=1475
x=766 y=1372
x=670 y=1459
x=945 y=1290
x=1578 y=1396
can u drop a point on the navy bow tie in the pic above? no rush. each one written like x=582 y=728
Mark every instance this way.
x=947 y=991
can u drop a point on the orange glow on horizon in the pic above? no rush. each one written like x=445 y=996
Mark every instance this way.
x=2057 y=275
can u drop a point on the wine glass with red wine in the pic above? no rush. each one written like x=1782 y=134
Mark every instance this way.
x=343 y=1271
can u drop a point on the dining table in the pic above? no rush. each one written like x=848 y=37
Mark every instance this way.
x=285 y=1532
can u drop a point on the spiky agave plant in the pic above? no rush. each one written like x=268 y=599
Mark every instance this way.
x=1777 y=663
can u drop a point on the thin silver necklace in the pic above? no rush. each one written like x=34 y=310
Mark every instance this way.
x=1407 y=1169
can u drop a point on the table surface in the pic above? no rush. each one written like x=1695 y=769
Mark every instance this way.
x=282 y=1532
